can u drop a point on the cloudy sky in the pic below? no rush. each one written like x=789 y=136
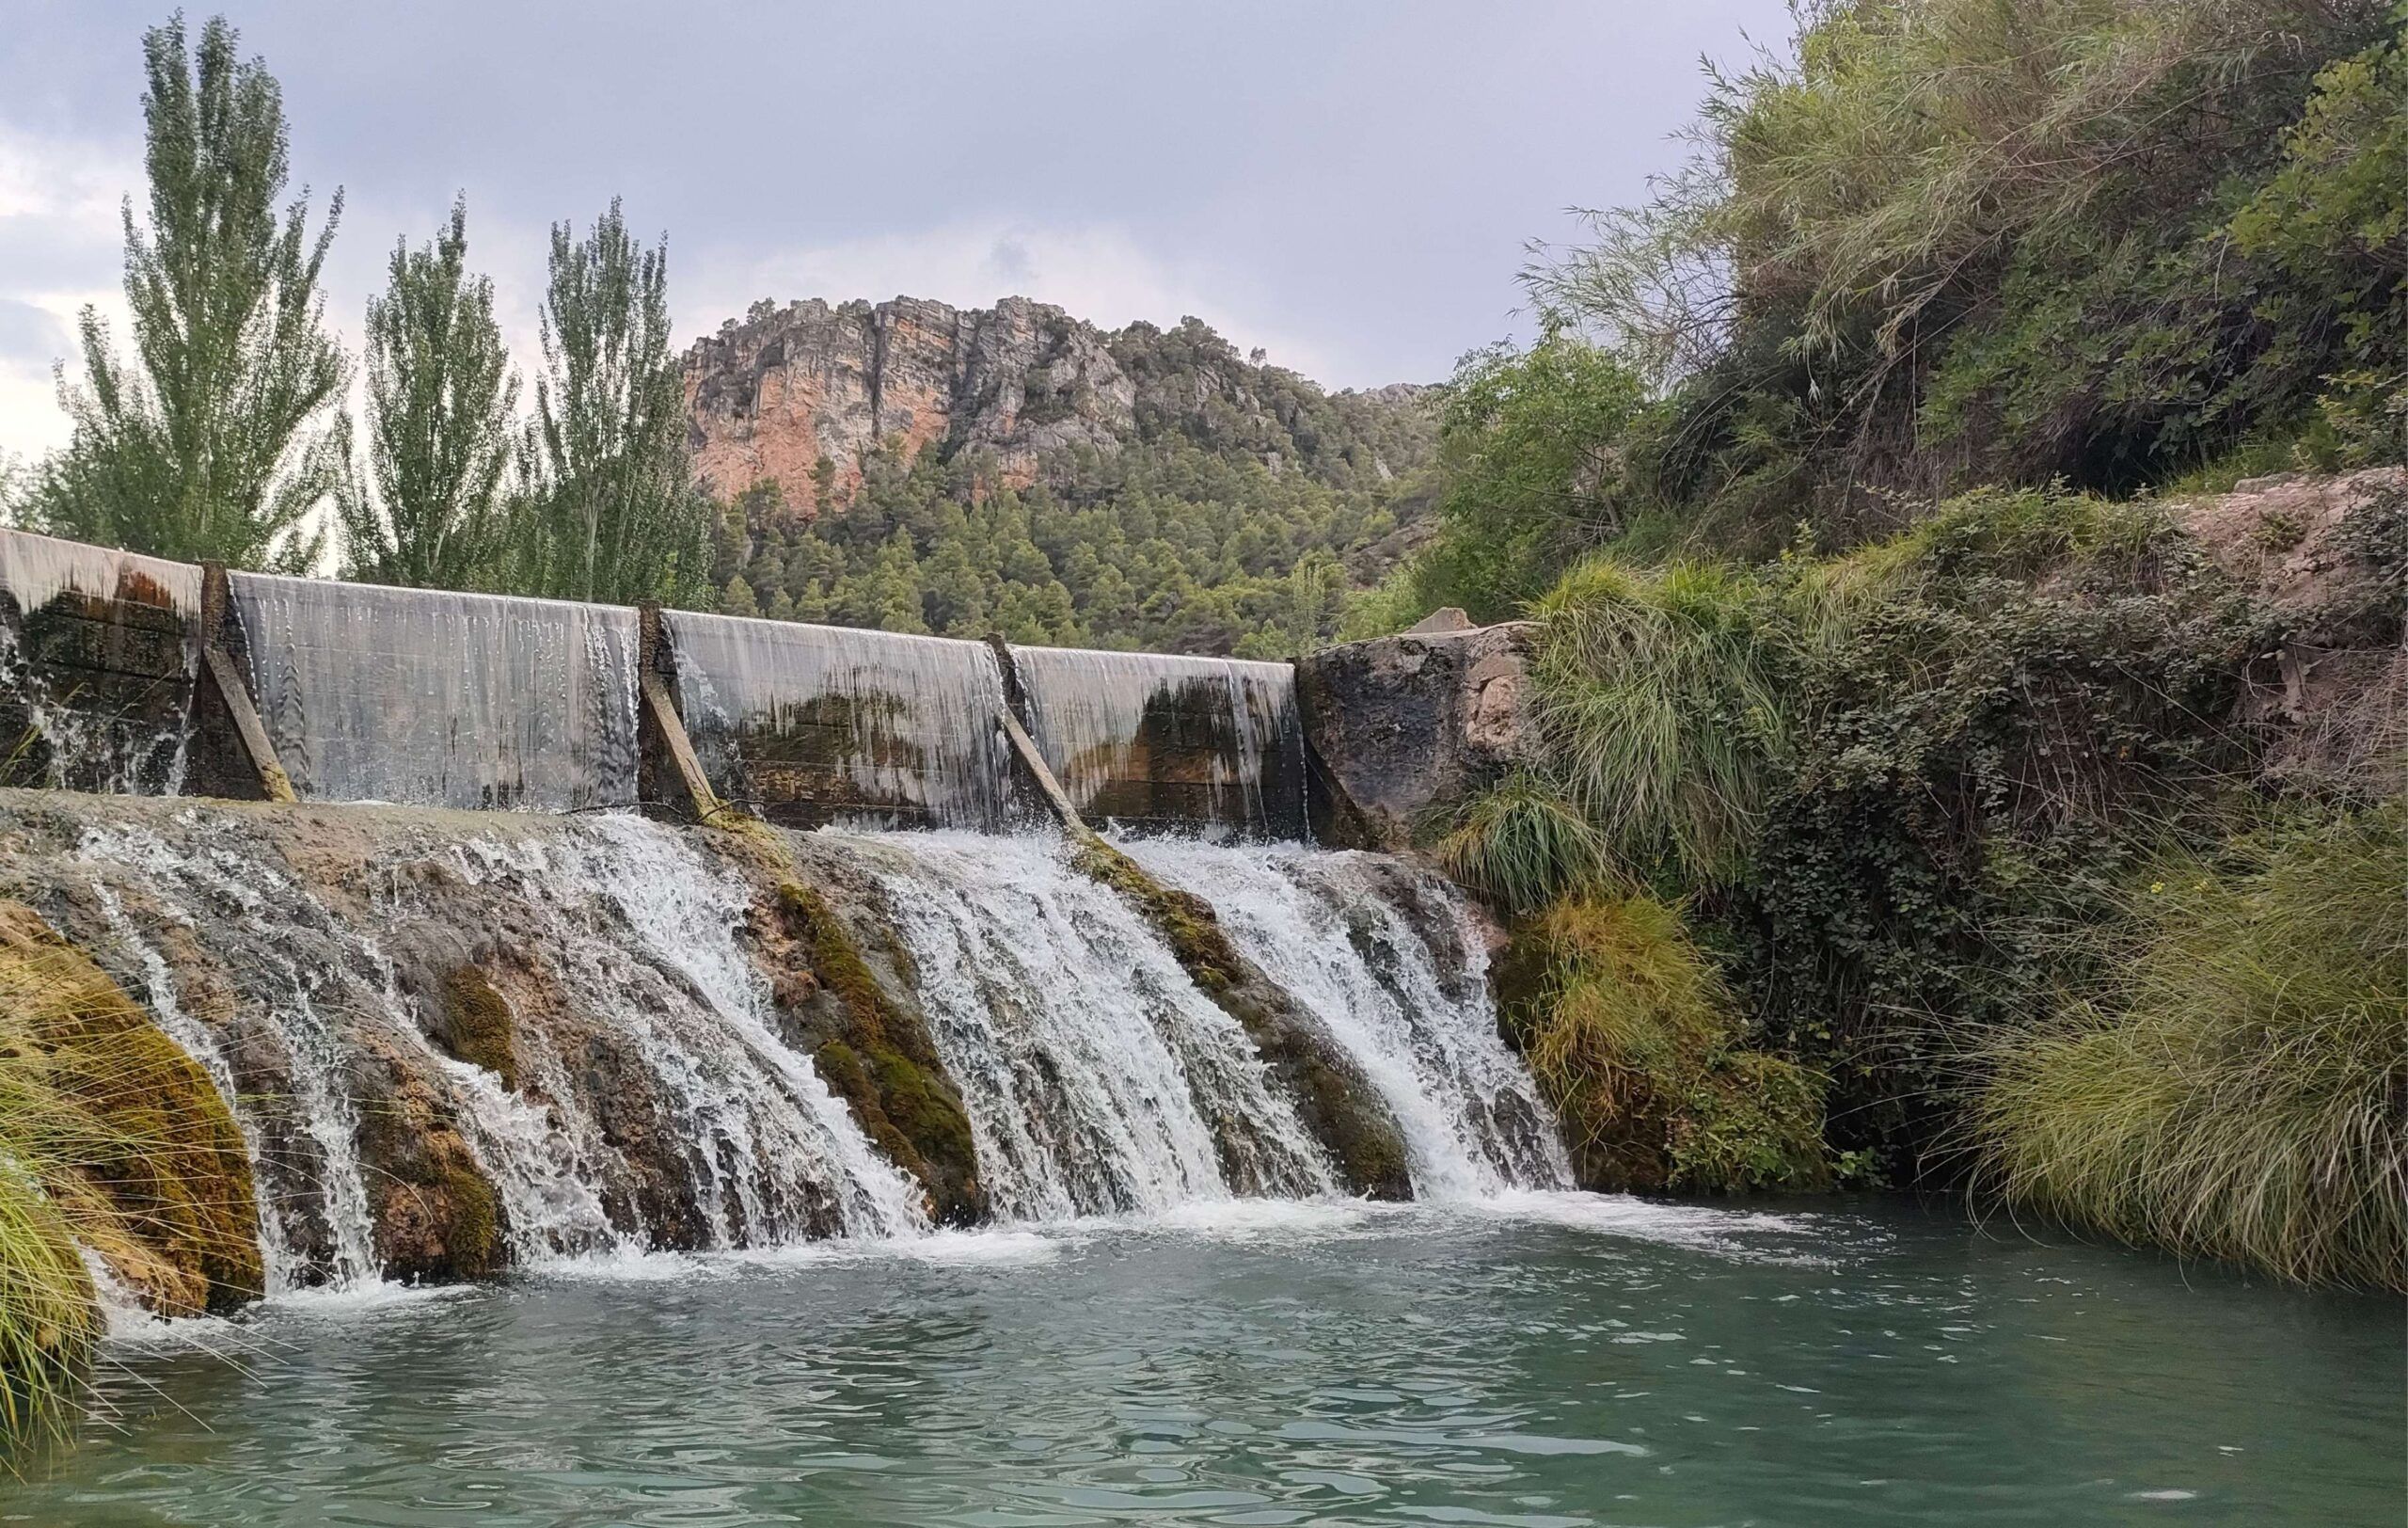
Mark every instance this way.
x=1348 y=184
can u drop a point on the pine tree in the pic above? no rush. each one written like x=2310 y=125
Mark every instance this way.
x=207 y=446
x=736 y=597
x=441 y=397
x=616 y=515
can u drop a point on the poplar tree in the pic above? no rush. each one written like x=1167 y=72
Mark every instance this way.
x=209 y=444
x=615 y=514
x=441 y=433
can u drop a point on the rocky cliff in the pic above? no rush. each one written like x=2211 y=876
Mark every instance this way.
x=800 y=394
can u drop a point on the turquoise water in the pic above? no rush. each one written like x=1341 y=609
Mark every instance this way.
x=1558 y=1361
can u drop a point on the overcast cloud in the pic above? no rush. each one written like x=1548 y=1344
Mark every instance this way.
x=1349 y=186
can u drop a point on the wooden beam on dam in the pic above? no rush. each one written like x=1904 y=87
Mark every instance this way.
x=221 y=673
x=660 y=719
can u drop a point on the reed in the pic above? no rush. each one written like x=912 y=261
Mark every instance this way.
x=1522 y=845
x=1662 y=700
x=1635 y=1040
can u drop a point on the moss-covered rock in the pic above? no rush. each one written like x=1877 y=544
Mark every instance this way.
x=477 y=1027
x=438 y=1219
x=127 y=1135
x=879 y=1058
x=1337 y=1103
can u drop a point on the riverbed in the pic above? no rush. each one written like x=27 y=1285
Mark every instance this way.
x=1539 y=1360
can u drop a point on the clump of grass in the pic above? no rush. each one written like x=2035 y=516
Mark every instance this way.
x=111 y=1139
x=1633 y=1036
x=1522 y=845
x=1662 y=699
x=2235 y=1084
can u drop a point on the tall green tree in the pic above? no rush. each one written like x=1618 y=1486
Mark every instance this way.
x=441 y=433
x=615 y=514
x=213 y=444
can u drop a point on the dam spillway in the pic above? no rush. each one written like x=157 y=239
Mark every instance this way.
x=440 y=698
x=475 y=1005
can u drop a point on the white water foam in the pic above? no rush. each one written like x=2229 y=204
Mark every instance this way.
x=1096 y=1076
x=1384 y=954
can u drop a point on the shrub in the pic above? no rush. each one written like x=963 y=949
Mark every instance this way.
x=1631 y=1033
x=1521 y=844
x=2234 y=1081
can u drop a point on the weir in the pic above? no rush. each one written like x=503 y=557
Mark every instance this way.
x=808 y=724
x=547 y=1027
x=431 y=698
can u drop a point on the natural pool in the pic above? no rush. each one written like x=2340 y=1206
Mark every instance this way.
x=1550 y=1359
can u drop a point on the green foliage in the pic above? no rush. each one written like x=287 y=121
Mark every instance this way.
x=1879 y=773
x=1170 y=544
x=1957 y=241
x=615 y=515
x=1661 y=699
x=2332 y=224
x=1522 y=845
x=1985 y=713
x=1632 y=1035
x=2227 y=1081
x=206 y=448
x=441 y=429
x=1532 y=442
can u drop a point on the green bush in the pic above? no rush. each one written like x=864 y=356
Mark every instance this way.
x=1632 y=1034
x=2232 y=1081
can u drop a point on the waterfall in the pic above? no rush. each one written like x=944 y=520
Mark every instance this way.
x=1145 y=737
x=97 y=659
x=865 y=725
x=789 y=1143
x=1384 y=954
x=37 y=569
x=713 y=1134
x=1096 y=1076
x=441 y=699
x=322 y=1229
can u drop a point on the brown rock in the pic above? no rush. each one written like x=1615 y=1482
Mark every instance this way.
x=1406 y=726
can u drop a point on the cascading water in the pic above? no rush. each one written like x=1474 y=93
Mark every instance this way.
x=659 y=1109
x=1384 y=955
x=1096 y=1076
x=440 y=699
x=307 y=1155
x=97 y=659
x=781 y=1156
x=1145 y=737
x=857 y=724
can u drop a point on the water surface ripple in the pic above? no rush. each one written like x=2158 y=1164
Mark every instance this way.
x=1550 y=1359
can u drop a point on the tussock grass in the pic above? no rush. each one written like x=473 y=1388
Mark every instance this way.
x=111 y=1139
x=1662 y=698
x=1634 y=1039
x=2235 y=1084
x=1522 y=845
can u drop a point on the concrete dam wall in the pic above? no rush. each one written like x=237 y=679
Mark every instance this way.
x=129 y=674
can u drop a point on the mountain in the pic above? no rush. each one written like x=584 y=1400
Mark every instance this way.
x=774 y=394
x=921 y=467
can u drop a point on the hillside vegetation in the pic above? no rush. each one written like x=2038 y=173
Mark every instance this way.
x=1241 y=509
x=1894 y=653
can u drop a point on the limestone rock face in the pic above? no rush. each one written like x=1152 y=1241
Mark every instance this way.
x=787 y=389
x=1406 y=723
